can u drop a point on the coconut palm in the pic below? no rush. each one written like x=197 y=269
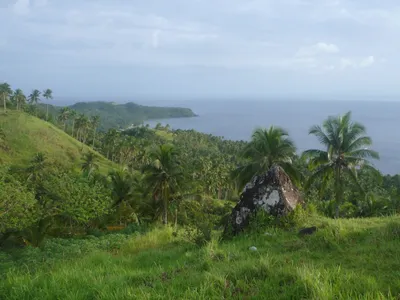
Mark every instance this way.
x=109 y=143
x=83 y=125
x=346 y=149
x=72 y=117
x=267 y=147
x=19 y=98
x=89 y=164
x=48 y=94
x=5 y=92
x=36 y=167
x=163 y=176
x=64 y=116
x=34 y=97
x=94 y=121
x=123 y=185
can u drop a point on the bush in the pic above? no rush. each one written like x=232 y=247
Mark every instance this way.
x=17 y=205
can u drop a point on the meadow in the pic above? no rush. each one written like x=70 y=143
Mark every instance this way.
x=345 y=259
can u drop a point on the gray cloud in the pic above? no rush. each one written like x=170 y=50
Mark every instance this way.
x=303 y=36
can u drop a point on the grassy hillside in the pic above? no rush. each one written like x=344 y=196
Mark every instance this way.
x=24 y=135
x=345 y=259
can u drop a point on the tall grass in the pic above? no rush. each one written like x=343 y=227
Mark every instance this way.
x=345 y=259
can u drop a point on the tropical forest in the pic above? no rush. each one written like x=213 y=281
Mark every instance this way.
x=97 y=204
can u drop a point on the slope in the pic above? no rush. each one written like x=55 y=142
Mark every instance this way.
x=345 y=259
x=23 y=135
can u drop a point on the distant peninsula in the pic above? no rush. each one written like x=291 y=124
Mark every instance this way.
x=114 y=115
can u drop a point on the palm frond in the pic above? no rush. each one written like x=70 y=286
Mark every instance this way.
x=320 y=134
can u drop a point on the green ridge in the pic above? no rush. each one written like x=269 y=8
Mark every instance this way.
x=25 y=135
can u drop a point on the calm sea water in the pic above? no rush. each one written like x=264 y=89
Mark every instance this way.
x=237 y=119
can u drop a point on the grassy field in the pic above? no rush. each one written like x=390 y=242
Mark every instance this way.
x=345 y=259
x=25 y=135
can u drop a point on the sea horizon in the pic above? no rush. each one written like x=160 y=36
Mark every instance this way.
x=236 y=120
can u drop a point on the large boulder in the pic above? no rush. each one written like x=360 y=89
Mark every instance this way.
x=272 y=192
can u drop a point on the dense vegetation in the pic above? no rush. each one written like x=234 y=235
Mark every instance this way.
x=68 y=188
x=123 y=115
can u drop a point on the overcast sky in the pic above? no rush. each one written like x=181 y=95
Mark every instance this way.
x=202 y=48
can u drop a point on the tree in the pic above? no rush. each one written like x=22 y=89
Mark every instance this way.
x=19 y=98
x=5 y=91
x=95 y=121
x=72 y=116
x=48 y=94
x=267 y=147
x=34 y=98
x=17 y=205
x=109 y=143
x=89 y=164
x=123 y=188
x=346 y=150
x=82 y=124
x=163 y=176
x=64 y=116
x=36 y=168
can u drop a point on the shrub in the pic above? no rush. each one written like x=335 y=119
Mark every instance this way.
x=17 y=206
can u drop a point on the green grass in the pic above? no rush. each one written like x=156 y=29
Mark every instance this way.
x=26 y=135
x=345 y=259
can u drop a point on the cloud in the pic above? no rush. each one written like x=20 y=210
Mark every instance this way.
x=289 y=37
x=367 y=62
x=21 y=7
x=40 y=3
x=346 y=63
x=319 y=48
x=156 y=38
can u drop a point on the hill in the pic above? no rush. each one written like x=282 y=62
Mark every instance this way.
x=345 y=259
x=23 y=135
x=114 y=115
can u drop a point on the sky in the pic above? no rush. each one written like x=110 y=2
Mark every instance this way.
x=202 y=48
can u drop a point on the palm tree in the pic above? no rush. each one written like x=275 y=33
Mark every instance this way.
x=267 y=147
x=34 y=98
x=163 y=176
x=82 y=124
x=48 y=94
x=5 y=91
x=95 y=120
x=89 y=164
x=72 y=116
x=19 y=98
x=346 y=149
x=36 y=167
x=110 y=142
x=122 y=187
x=64 y=116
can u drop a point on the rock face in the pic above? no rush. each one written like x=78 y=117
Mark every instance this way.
x=272 y=192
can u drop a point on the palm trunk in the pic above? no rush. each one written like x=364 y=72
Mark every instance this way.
x=65 y=125
x=94 y=137
x=165 y=200
x=4 y=103
x=73 y=127
x=165 y=217
x=47 y=112
x=338 y=192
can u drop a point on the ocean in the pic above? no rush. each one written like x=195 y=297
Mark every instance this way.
x=236 y=120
